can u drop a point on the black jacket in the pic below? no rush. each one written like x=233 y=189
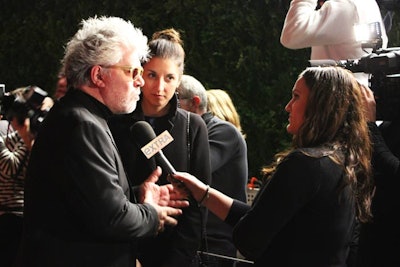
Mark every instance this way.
x=229 y=175
x=176 y=246
x=78 y=209
x=379 y=239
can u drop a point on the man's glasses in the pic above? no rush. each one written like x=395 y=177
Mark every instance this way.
x=135 y=72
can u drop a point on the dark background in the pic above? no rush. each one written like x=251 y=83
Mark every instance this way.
x=230 y=44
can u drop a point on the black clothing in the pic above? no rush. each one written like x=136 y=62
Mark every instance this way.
x=229 y=175
x=298 y=218
x=14 y=155
x=10 y=236
x=189 y=152
x=380 y=239
x=77 y=196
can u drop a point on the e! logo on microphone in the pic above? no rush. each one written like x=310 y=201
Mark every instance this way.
x=157 y=144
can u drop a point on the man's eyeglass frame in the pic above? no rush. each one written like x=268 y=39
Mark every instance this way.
x=134 y=71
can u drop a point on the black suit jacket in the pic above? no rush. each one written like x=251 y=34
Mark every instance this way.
x=78 y=204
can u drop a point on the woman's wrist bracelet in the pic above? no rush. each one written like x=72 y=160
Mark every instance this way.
x=205 y=196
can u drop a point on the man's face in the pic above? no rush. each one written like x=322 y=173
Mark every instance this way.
x=122 y=85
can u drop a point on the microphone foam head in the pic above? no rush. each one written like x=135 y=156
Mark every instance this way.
x=142 y=132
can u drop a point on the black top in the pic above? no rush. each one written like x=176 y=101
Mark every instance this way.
x=386 y=163
x=78 y=204
x=229 y=175
x=176 y=246
x=298 y=218
x=379 y=239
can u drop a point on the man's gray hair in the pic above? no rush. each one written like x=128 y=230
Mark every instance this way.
x=189 y=87
x=101 y=41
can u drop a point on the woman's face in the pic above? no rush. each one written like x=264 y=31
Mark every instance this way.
x=161 y=78
x=297 y=106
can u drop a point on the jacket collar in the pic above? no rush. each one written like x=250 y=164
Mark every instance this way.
x=90 y=101
x=207 y=117
x=138 y=113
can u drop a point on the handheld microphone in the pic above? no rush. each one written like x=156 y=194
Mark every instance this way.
x=151 y=144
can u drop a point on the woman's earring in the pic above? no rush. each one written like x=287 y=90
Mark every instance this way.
x=177 y=98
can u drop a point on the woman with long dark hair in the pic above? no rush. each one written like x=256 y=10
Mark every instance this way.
x=316 y=192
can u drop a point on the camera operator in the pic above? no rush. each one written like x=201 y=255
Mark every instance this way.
x=328 y=28
x=379 y=242
x=15 y=147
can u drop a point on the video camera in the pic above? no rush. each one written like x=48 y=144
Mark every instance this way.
x=384 y=67
x=23 y=103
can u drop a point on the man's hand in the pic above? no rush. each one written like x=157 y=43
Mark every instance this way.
x=163 y=199
x=164 y=195
x=369 y=103
x=166 y=216
x=24 y=131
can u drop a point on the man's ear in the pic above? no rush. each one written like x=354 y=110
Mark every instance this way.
x=196 y=100
x=96 y=75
